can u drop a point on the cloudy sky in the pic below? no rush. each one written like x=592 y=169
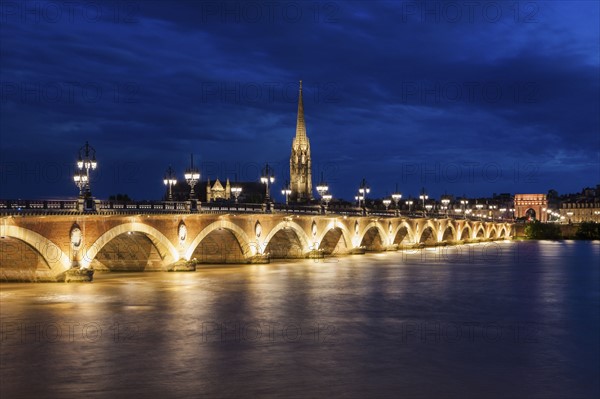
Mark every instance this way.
x=460 y=97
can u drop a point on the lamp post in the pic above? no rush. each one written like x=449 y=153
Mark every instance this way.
x=463 y=204
x=326 y=199
x=363 y=190
x=170 y=181
x=423 y=197
x=322 y=188
x=192 y=176
x=569 y=214
x=502 y=212
x=409 y=203
x=85 y=162
x=236 y=189
x=286 y=191
x=386 y=203
x=267 y=178
x=446 y=202
x=81 y=180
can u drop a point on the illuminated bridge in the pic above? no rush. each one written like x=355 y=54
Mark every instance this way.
x=42 y=240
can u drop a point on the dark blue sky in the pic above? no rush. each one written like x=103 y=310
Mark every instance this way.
x=460 y=97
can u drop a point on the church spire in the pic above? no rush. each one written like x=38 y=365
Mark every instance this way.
x=300 y=126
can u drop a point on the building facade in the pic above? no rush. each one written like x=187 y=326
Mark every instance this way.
x=217 y=191
x=532 y=206
x=300 y=161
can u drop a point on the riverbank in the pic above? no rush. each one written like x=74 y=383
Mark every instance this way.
x=553 y=231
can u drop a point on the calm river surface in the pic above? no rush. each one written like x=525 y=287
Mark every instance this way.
x=501 y=320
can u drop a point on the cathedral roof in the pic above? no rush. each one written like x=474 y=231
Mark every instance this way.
x=217 y=186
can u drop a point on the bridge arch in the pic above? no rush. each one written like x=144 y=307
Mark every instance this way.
x=369 y=233
x=492 y=232
x=248 y=248
x=465 y=233
x=52 y=254
x=449 y=233
x=165 y=248
x=503 y=233
x=283 y=227
x=428 y=234
x=332 y=227
x=398 y=234
x=480 y=232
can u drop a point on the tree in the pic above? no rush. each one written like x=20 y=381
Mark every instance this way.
x=588 y=231
x=542 y=231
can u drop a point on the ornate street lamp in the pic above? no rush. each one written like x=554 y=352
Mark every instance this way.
x=192 y=176
x=363 y=190
x=286 y=191
x=85 y=162
x=322 y=187
x=423 y=197
x=81 y=180
x=236 y=189
x=386 y=203
x=396 y=197
x=409 y=203
x=502 y=213
x=446 y=202
x=463 y=204
x=267 y=178
x=170 y=181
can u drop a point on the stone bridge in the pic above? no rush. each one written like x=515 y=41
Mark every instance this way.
x=44 y=247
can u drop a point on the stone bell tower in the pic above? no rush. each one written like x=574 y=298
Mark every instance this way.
x=300 y=162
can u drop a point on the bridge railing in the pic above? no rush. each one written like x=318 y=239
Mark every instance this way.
x=38 y=206
x=69 y=207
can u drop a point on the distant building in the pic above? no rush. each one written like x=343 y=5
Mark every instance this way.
x=583 y=207
x=217 y=191
x=531 y=206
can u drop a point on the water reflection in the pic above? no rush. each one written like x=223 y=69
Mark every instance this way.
x=502 y=320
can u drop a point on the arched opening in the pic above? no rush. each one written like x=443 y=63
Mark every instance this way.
x=19 y=261
x=137 y=247
x=28 y=256
x=402 y=236
x=219 y=246
x=372 y=240
x=502 y=233
x=530 y=214
x=493 y=233
x=333 y=242
x=131 y=251
x=448 y=235
x=480 y=233
x=465 y=233
x=285 y=244
x=427 y=236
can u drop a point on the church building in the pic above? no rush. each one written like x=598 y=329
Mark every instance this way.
x=300 y=162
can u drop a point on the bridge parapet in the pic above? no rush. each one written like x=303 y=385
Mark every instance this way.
x=104 y=207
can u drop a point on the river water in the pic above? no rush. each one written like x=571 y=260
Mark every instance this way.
x=498 y=320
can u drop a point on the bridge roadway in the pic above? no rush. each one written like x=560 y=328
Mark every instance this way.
x=42 y=240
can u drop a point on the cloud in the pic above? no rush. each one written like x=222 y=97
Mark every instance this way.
x=387 y=86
